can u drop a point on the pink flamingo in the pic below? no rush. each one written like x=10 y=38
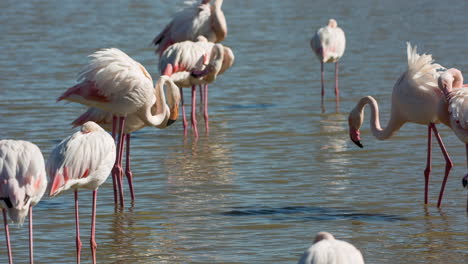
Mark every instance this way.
x=193 y=21
x=326 y=250
x=23 y=181
x=451 y=84
x=191 y=63
x=416 y=99
x=82 y=160
x=115 y=83
x=329 y=44
x=133 y=122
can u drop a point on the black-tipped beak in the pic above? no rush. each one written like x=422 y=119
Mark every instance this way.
x=465 y=181
x=358 y=143
x=170 y=122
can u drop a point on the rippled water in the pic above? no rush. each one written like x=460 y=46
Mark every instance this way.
x=275 y=169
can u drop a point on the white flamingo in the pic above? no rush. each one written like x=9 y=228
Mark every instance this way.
x=415 y=99
x=191 y=63
x=329 y=44
x=115 y=83
x=193 y=21
x=328 y=250
x=82 y=160
x=23 y=182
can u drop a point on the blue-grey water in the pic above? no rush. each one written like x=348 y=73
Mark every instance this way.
x=275 y=168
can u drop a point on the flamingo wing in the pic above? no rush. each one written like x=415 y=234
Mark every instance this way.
x=23 y=179
x=458 y=107
x=332 y=251
x=79 y=158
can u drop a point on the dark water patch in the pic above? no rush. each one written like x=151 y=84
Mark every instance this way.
x=311 y=214
x=250 y=106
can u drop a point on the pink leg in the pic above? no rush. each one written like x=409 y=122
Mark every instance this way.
x=448 y=164
x=201 y=94
x=337 y=91
x=128 y=171
x=31 y=250
x=93 y=228
x=205 y=110
x=322 y=79
x=194 y=118
x=184 y=118
x=77 y=222
x=427 y=171
x=7 y=236
x=114 y=179
x=117 y=169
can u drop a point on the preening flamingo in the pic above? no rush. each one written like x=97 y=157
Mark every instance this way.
x=415 y=99
x=191 y=63
x=328 y=250
x=115 y=83
x=329 y=44
x=193 y=21
x=451 y=84
x=23 y=181
x=133 y=122
x=82 y=160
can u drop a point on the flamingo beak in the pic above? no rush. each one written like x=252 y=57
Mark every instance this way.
x=174 y=114
x=358 y=143
x=354 y=134
x=465 y=181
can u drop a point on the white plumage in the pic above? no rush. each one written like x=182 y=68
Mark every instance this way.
x=329 y=42
x=82 y=160
x=23 y=178
x=193 y=21
x=327 y=250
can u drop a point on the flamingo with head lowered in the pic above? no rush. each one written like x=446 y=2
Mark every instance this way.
x=329 y=44
x=23 y=182
x=415 y=99
x=115 y=83
x=190 y=63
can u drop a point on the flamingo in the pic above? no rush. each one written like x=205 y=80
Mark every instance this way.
x=23 y=182
x=193 y=21
x=416 y=99
x=115 y=83
x=191 y=63
x=133 y=122
x=82 y=160
x=328 y=250
x=451 y=84
x=329 y=44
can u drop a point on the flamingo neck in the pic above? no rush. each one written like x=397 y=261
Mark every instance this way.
x=218 y=21
x=160 y=102
x=378 y=132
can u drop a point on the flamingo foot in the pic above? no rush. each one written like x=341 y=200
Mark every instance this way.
x=129 y=175
x=118 y=172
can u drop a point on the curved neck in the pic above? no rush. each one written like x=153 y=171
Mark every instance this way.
x=379 y=132
x=160 y=102
x=218 y=21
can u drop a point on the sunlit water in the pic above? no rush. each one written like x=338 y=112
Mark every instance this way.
x=275 y=169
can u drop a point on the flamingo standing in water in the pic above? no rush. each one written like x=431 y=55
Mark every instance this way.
x=82 y=160
x=328 y=250
x=193 y=21
x=115 y=83
x=451 y=84
x=191 y=63
x=416 y=99
x=329 y=44
x=23 y=181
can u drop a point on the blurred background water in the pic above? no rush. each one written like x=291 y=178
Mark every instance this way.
x=275 y=168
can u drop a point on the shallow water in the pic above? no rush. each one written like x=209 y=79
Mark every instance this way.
x=275 y=169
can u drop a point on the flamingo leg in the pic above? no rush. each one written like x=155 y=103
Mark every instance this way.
x=31 y=249
x=322 y=79
x=201 y=94
x=184 y=118
x=205 y=110
x=427 y=171
x=128 y=171
x=93 y=228
x=77 y=222
x=448 y=163
x=7 y=236
x=114 y=179
x=194 y=118
x=117 y=169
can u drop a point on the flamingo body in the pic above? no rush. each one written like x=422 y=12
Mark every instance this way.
x=23 y=178
x=329 y=42
x=193 y=21
x=328 y=250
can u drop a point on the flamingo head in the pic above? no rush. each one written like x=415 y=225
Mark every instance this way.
x=355 y=120
x=173 y=99
x=323 y=235
x=445 y=82
x=332 y=23
x=228 y=60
